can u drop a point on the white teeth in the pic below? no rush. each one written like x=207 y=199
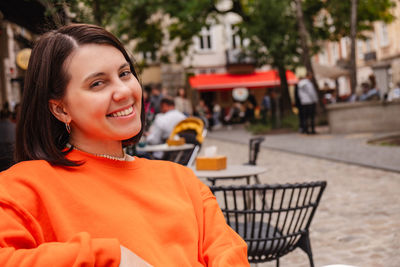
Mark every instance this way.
x=122 y=112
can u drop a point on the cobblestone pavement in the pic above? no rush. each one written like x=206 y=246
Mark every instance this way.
x=358 y=220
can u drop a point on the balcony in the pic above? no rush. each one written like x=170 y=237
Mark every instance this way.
x=370 y=56
x=238 y=62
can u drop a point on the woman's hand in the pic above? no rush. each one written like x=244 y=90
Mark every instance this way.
x=130 y=259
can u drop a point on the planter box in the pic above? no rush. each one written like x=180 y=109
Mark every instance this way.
x=368 y=116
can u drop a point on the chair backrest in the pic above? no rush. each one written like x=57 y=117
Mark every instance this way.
x=254 y=148
x=272 y=219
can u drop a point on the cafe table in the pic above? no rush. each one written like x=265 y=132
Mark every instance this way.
x=231 y=172
x=175 y=152
x=164 y=148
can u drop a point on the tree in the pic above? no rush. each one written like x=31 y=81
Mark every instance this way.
x=353 y=37
x=354 y=19
x=305 y=41
x=271 y=27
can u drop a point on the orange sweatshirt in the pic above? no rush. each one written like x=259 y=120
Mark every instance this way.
x=53 y=216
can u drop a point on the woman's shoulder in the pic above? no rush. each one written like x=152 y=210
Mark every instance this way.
x=28 y=165
x=21 y=179
x=27 y=169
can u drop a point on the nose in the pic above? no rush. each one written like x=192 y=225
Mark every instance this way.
x=122 y=91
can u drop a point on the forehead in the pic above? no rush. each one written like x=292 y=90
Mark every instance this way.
x=91 y=57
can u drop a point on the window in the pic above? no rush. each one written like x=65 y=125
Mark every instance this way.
x=323 y=57
x=359 y=49
x=335 y=51
x=344 y=42
x=384 y=40
x=235 y=37
x=205 y=42
x=368 y=45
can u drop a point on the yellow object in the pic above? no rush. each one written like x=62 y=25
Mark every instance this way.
x=23 y=58
x=178 y=142
x=190 y=123
x=211 y=163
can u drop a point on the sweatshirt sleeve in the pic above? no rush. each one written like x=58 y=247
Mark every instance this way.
x=22 y=244
x=222 y=246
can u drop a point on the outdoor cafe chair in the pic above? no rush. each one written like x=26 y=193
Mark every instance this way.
x=272 y=219
x=254 y=149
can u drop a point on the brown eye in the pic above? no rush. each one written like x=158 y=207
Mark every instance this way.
x=96 y=84
x=125 y=73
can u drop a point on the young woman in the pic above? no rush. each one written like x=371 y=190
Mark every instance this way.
x=74 y=198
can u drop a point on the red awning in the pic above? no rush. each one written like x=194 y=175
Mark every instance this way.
x=227 y=81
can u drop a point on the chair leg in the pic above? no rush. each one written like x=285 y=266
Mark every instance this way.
x=305 y=245
x=277 y=262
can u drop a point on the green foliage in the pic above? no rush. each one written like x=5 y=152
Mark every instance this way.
x=289 y=123
x=259 y=128
x=273 y=32
x=269 y=24
x=369 y=11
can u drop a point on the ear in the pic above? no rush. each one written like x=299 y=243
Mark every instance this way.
x=59 y=111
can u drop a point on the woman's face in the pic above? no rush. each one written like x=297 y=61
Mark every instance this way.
x=103 y=97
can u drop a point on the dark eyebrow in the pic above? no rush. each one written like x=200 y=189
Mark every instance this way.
x=98 y=74
x=124 y=65
x=93 y=75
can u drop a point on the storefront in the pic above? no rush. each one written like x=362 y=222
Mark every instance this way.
x=218 y=88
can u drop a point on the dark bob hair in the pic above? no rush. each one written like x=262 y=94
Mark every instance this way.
x=40 y=135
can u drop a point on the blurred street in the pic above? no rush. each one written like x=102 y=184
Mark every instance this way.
x=358 y=220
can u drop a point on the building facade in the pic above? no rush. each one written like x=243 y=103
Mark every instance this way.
x=379 y=55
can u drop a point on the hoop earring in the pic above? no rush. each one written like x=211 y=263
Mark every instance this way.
x=68 y=127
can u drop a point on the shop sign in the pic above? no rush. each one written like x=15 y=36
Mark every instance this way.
x=240 y=93
x=23 y=58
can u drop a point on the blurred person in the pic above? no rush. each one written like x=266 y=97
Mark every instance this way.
x=164 y=122
x=394 y=93
x=266 y=107
x=155 y=100
x=204 y=113
x=216 y=116
x=7 y=140
x=250 y=107
x=75 y=198
x=182 y=103
x=300 y=109
x=369 y=91
x=15 y=114
x=365 y=87
x=373 y=93
x=308 y=99
x=235 y=114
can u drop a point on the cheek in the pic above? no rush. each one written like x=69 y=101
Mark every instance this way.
x=88 y=107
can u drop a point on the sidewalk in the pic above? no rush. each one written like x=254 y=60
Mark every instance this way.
x=358 y=220
x=350 y=148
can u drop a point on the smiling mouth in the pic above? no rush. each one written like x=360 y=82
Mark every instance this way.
x=122 y=113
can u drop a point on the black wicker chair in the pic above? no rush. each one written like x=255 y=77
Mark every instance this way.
x=272 y=219
x=254 y=149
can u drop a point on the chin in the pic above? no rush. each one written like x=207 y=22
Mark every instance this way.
x=130 y=134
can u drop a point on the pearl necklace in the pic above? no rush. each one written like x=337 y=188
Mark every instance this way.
x=123 y=158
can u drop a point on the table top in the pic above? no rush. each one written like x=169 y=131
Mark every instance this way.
x=164 y=148
x=231 y=171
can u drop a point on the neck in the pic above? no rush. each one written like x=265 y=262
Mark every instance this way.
x=124 y=156
x=112 y=149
